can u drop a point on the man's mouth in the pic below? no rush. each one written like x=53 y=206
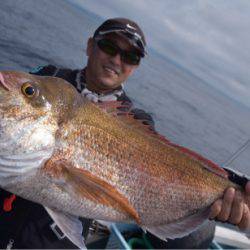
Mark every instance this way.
x=111 y=70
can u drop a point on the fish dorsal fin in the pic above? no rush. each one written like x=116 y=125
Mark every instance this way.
x=70 y=225
x=208 y=164
x=97 y=190
x=124 y=113
x=180 y=228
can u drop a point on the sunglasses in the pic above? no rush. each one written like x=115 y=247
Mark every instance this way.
x=110 y=48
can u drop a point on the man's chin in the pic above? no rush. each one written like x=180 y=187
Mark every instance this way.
x=108 y=84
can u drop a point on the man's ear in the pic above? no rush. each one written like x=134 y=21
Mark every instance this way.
x=90 y=46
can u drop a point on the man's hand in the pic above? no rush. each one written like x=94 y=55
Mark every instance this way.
x=232 y=208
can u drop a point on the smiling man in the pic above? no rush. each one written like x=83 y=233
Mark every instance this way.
x=114 y=53
x=111 y=61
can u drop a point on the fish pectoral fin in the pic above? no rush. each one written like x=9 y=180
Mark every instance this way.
x=70 y=225
x=180 y=228
x=99 y=191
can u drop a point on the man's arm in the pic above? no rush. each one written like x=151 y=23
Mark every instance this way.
x=232 y=208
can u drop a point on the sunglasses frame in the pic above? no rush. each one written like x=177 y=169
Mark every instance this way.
x=124 y=54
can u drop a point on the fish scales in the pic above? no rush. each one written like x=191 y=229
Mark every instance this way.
x=90 y=162
x=108 y=155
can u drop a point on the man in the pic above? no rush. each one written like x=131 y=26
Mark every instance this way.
x=114 y=53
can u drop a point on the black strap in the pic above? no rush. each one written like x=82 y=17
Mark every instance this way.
x=237 y=177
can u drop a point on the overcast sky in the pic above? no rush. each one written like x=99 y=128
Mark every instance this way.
x=210 y=38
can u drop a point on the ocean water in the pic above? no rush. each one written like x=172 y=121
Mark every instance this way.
x=185 y=108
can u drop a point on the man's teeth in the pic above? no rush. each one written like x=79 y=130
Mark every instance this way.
x=110 y=70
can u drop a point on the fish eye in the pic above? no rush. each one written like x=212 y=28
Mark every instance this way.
x=28 y=90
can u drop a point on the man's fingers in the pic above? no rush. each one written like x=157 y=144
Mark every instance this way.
x=247 y=188
x=247 y=191
x=215 y=209
x=245 y=221
x=226 y=204
x=236 y=210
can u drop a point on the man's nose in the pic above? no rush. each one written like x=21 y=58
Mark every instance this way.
x=116 y=59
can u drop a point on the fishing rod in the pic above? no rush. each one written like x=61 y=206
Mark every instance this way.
x=235 y=176
x=236 y=154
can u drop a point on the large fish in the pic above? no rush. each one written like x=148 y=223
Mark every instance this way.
x=79 y=159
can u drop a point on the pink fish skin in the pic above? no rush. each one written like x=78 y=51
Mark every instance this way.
x=77 y=158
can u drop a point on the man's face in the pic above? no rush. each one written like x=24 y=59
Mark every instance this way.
x=106 y=72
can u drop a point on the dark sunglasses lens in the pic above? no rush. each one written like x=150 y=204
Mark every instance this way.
x=131 y=58
x=136 y=40
x=107 y=47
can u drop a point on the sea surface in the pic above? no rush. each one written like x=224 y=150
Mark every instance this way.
x=185 y=108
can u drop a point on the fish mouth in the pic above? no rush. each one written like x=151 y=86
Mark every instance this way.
x=2 y=82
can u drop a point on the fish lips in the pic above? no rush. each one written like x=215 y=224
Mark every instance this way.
x=3 y=83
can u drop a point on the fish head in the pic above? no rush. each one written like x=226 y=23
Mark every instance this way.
x=31 y=109
x=38 y=94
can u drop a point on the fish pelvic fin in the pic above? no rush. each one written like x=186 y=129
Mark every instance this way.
x=99 y=191
x=180 y=228
x=70 y=225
